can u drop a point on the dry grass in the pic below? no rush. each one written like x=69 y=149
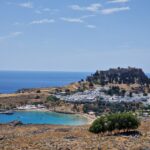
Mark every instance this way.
x=50 y=137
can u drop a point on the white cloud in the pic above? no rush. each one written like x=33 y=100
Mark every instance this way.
x=38 y=12
x=11 y=35
x=72 y=20
x=26 y=5
x=91 y=26
x=114 y=10
x=46 y=9
x=16 y=23
x=52 y=11
x=87 y=16
x=14 y=34
x=43 y=21
x=76 y=20
x=95 y=7
x=118 y=1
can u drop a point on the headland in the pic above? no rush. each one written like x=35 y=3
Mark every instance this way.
x=104 y=92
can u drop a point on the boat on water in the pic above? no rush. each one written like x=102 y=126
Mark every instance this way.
x=8 y=112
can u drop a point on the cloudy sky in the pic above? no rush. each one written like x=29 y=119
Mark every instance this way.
x=74 y=35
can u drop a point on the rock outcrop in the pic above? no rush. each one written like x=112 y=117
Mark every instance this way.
x=120 y=76
x=15 y=123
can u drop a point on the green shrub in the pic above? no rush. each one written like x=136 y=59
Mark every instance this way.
x=37 y=103
x=98 y=125
x=52 y=99
x=37 y=97
x=85 y=108
x=117 y=121
x=145 y=94
x=38 y=91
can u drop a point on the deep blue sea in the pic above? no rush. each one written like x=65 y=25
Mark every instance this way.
x=11 y=81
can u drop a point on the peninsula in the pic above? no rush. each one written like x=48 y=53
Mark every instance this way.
x=104 y=92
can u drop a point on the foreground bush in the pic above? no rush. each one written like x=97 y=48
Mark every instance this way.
x=117 y=121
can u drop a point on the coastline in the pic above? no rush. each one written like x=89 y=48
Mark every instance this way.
x=88 y=117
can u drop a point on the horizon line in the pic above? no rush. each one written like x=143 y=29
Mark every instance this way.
x=47 y=71
x=73 y=71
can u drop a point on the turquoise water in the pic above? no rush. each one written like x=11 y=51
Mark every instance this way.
x=43 y=118
x=11 y=81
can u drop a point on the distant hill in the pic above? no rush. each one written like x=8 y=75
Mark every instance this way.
x=120 y=76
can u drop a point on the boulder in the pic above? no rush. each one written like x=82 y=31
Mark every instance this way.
x=1 y=137
x=15 y=123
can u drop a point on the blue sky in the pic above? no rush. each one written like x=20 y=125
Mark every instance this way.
x=74 y=35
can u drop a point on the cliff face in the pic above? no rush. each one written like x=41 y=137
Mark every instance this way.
x=119 y=76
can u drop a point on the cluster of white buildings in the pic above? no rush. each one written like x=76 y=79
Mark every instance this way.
x=97 y=93
x=86 y=96
x=31 y=107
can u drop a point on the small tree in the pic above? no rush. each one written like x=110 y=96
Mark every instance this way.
x=117 y=121
x=38 y=91
x=85 y=108
x=98 y=126
x=145 y=94
x=53 y=100
x=130 y=94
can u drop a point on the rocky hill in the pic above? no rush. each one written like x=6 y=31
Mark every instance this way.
x=120 y=76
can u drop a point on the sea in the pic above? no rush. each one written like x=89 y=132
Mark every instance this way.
x=11 y=81
x=39 y=117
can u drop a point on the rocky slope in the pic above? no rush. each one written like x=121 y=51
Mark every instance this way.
x=120 y=76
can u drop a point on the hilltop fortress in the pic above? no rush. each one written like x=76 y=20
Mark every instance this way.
x=120 y=76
